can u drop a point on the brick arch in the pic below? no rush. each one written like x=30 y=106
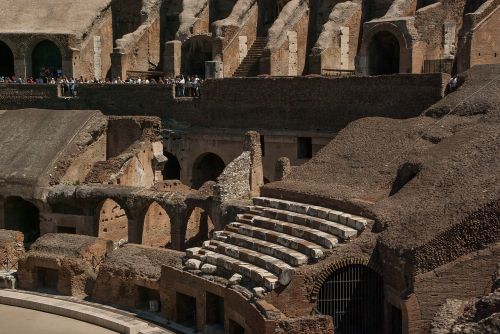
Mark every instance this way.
x=112 y=217
x=323 y=276
x=166 y=215
x=29 y=45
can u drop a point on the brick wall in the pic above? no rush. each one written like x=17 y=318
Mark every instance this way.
x=300 y=103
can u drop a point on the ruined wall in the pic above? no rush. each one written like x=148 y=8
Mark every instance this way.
x=11 y=249
x=485 y=46
x=236 y=306
x=238 y=33
x=285 y=53
x=337 y=45
x=469 y=276
x=95 y=50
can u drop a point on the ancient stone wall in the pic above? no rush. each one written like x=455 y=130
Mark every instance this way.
x=300 y=103
x=469 y=276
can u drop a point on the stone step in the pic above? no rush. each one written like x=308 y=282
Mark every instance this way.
x=353 y=221
x=308 y=248
x=259 y=275
x=321 y=238
x=286 y=254
x=271 y=264
x=342 y=231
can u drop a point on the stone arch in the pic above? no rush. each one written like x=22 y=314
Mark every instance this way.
x=6 y=60
x=112 y=221
x=199 y=227
x=172 y=169
x=22 y=215
x=46 y=58
x=352 y=293
x=384 y=54
x=195 y=52
x=207 y=167
x=388 y=29
x=157 y=227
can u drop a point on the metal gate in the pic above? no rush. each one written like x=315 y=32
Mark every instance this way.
x=353 y=296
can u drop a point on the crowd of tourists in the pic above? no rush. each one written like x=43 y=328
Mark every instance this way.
x=185 y=86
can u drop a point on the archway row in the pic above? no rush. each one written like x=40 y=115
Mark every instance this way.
x=45 y=59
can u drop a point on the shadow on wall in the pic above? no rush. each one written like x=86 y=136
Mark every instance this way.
x=199 y=228
x=207 y=167
x=24 y=216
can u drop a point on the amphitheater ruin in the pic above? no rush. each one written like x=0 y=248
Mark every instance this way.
x=339 y=172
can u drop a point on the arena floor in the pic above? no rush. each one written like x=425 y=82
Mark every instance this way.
x=26 y=321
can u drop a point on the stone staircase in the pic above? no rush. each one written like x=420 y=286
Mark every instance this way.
x=273 y=238
x=249 y=67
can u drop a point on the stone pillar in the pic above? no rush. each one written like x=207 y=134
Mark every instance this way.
x=97 y=57
x=172 y=58
x=252 y=144
x=292 y=53
x=242 y=47
x=282 y=169
x=21 y=68
x=214 y=70
x=344 y=48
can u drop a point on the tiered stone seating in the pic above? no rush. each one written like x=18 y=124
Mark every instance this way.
x=274 y=237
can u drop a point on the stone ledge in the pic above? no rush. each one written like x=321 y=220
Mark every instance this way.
x=86 y=313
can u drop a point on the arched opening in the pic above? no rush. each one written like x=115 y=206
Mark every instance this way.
x=156 y=231
x=113 y=222
x=46 y=60
x=207 y=167
x=198 y=229
x=384 y=54
x=21 y=215
x=6 y=61
x=172 y=169
x=354 y=297
x=195 y=52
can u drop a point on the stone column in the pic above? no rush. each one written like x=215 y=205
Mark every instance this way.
x=172 y=58
x=119 y=65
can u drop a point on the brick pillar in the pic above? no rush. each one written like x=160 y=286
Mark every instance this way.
x=252 y=144
x=214 y=70
x=119 y=65
x=172 y=58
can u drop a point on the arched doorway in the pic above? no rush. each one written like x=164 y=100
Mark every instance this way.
x=384 y=54
x=156 y=231
x=353 y=296
x=172 y=169
x=113 y=221
x=21 y=215
x=199 y=228
x=195 y=52
x=6 y=61
x=207 y=167
x=46 y=59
